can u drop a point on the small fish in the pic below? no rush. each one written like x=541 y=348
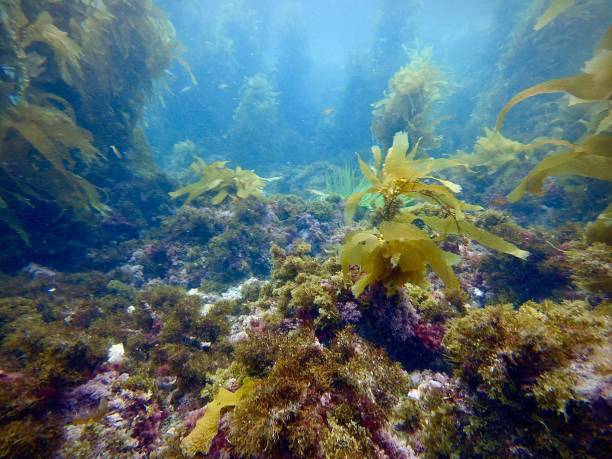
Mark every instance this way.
x=329 y=111
x=223 y=86
x=185 y=89
x=499 y=202
x=96 y=415
x=51 y=290
x=116 y=151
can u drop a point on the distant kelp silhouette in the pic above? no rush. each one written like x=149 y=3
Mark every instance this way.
x=408 y=102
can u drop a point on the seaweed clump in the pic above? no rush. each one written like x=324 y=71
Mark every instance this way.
x=225 y=182
x=313 y=400
x=529 y=384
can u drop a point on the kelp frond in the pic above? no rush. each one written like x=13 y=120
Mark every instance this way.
x=404 y=176
x=399 y=251
x=396 y=254
x=225 y=182
x=555 y=8
x=56 y=138
x=592 y=156
x=66 y=51
x=594 y=83
x=493 y=151
x=409 y=101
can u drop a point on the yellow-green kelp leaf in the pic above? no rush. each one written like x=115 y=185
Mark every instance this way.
x=591 y=158
x=402 y=176
x=398 y=254
x=225 y=182
x=555 y=8
x=67 y=52
x=593 y=84
x=446 y=226
x=201 y=437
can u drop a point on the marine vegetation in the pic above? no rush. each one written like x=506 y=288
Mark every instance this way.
x=328 y=401
x=528 y=366
x=590 y=157
x=399 y=251
x=409 y=102
x=41 y=123
x=257 y=117
x=225 y=182
x=200 y=438
x=555 y=8
x=388 y=316
x=76 y=76
x=342 y=181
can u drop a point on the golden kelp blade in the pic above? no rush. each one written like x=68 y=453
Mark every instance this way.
x=235 y=183
x=595 y=83
x=591 y=158
x=554 y=9
x=447 y=226
x=368 y=172
x=67 y=51
x=358 y=246
x=395 y=161
x=352 y=202
x=377 y=157
x=201 y=437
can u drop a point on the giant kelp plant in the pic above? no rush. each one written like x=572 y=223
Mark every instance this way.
x=399 y=250
x=75 y=80
x=257 y=117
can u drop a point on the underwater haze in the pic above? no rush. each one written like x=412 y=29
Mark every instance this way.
x=305 y=229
